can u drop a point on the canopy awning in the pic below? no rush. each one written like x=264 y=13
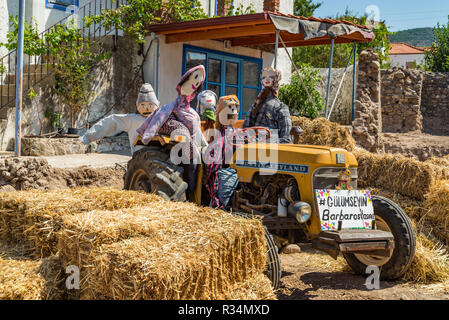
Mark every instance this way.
x=259 y=29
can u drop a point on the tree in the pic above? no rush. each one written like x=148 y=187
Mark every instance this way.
x=297 y=97
x=75 y=58
x=318 y=56
x=437 y=58
x=134 y=16
x=305 y=8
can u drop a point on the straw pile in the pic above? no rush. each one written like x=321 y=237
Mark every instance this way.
x=20 y=280
x=168 y=250
x=24 y=279
x=397 y=173
x=437 y=210
x=255 y=288
x=430 y=264
x=324 y=133
x=31 y=218
x=439 y=161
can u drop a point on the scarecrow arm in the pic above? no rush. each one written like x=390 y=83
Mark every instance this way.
x=108 y=127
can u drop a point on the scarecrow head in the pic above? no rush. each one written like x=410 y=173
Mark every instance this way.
x=207 y=100
x=191 y=82
x=146 y=102
x=227 y=111
x=270 y=78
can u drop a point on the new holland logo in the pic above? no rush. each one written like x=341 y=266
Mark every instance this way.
x=285 y=167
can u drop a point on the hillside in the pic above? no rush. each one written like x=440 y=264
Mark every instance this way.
x=420 y=37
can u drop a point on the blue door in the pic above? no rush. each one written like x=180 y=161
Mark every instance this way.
x=227 y=74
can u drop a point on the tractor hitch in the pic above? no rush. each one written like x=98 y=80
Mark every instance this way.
x=373 y=242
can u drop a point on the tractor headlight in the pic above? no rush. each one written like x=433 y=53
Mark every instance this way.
x=301 y=211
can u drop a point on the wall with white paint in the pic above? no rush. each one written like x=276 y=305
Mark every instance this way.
x=400 y=60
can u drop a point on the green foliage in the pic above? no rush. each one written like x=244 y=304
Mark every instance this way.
x=2 y=70
x=318 y=56
x=133 y=17
x=305 y=8
x=33 y=44
x=420 y=37
x=54 y=118
x=74 y=61
x=32 y=94
x=437 y=58
x=295 y=95
x=240 y=10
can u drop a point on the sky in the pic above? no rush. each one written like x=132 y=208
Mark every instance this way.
x=398 y=14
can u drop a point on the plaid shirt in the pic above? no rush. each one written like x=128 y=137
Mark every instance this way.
x=272 y=115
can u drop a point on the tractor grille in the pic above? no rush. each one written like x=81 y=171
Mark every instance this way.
x=327 y=178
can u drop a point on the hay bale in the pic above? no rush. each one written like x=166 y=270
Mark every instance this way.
x=31 y=218
x=168 y=250
x=255 y=288
x=322 y=132
x=397 y=173
x=27 y=279
x=436 y=210
x=444 y=162
x=20 y=280
x=430 y=264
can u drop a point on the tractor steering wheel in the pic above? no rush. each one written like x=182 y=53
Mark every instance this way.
x=254 y=136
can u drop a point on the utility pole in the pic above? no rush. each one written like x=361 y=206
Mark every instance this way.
x=19 y=79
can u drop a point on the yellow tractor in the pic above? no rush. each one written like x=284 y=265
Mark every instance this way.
x=308 y=194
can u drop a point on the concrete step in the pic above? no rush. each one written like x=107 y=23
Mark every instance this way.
x=7 y=99
x=33 y=77
x=4 y=112
x=7 y=90
x=37 y=68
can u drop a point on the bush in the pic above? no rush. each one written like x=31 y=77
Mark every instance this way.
x=295 y=95
x=437 y=58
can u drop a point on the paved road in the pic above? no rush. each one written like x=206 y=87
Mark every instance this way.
x=95 y=160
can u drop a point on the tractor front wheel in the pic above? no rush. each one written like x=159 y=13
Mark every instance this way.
x=151 y=170
x=389 y=217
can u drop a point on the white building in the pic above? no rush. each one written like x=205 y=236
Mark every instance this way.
x=404 y=55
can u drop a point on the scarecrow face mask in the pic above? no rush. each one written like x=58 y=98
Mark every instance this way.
x=268 y=77
x=229 y=114
x=146 y=108
x=194 y=81
x=207 y=101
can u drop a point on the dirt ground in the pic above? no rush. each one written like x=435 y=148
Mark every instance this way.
x=312 y=275
x=416 y=145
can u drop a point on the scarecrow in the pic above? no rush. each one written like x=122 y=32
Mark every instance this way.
x=146 y=104
x=179 y=118
x=268 y=111
x=221 y=179
x=207 y=102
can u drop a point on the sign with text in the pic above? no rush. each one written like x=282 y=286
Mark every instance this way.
x=353 y=209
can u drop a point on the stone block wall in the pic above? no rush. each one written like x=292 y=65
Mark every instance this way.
x=367 y=122
x=401 y=100
x=435 y=103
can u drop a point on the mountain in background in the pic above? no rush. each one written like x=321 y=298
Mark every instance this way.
x=420 y=37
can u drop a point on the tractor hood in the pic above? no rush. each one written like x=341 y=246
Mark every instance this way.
x=294 y=154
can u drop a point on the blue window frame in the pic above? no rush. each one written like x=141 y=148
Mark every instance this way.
x=226 y=74
x=61 y=4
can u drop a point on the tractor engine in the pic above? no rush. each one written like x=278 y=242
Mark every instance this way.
x=262 y=195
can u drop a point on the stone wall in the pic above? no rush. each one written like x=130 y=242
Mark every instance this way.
x=435 y=103
x=401 y=100
x=110 y=82
x=367 y=122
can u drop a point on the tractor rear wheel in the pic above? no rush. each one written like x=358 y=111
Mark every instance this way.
x=273 y=268
x=389 y=217
x=151 y=170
